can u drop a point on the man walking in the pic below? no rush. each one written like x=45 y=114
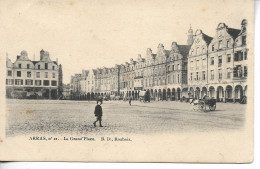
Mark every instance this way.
x=130 y=100
x=98 y=113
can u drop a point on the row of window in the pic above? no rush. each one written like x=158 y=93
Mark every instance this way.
x=237 y=72
x=220 y=46
x=30 y=82
x=29 y=74
x=238 y=57
x=28 y=66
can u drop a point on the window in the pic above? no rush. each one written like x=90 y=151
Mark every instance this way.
x=46 y=82
x=45 y=74
x=9 y=81
x=53 y=67
x=203 y=75
x=191 y=76
x=245 y=71
x=19 y=65
x=18 y=82
x=197 y=64
x=19 y=73
x=228 y=57
x=228 y=73
x=46 y=65
x=9 y=73
x=203 y=50
x=28 y=82
x=172 y=67
x=29 y=74
x=178 y=78
x=212 y=75
x=28 y=66
x=245 y=57
x=39 y=66
x=219 y=61
x=204 y=63
x=173 y=79
x=220 y=44
x=53 y=83
x=53 y=75
x=220 y=74
x=38 y=82
x=197 y=75
x=243 y=40
x=191 y=65
x=168 y=68
x=228 y=44
x=238 y=56
x=178 y=67
x=197 y=50
x=237 y=71
x=212 y=48
x=212 y=61
x=38 y=74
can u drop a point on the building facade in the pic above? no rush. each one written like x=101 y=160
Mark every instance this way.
x=32 y=79
x=214 y=66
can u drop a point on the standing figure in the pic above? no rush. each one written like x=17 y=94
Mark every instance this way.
x=98 y=113
x=130 y=100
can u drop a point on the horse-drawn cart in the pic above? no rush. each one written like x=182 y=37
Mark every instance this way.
x=207 y=102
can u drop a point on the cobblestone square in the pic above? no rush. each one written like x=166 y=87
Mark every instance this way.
x=77 y=117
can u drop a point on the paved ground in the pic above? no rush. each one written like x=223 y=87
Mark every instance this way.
x=76 y=117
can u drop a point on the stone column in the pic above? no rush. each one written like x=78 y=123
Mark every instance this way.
x=234 y=96
x=50 y=94
x=224 y=98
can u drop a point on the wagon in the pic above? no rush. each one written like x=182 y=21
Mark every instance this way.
x=144 y=96
x=207 y=102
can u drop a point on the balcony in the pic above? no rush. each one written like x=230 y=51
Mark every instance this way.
x=138 y=77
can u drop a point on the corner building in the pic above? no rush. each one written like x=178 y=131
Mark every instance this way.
x=32 y=79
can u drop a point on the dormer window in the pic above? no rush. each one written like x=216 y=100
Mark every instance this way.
x=213 y=47
x=220 y=44
x=228 y=44
x=197 y=50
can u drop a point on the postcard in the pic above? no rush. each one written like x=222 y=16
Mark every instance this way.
x=127 y=81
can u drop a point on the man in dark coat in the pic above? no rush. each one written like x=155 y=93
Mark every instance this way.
x=98 y=113
x=130 y=100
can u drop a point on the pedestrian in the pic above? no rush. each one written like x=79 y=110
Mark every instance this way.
x=98 y=113
x=130 y=100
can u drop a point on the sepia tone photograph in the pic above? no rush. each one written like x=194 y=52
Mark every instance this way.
x=157 y=81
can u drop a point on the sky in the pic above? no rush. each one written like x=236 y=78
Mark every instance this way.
x=95 y=33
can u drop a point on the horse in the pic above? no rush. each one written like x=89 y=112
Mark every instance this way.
x=194 y=103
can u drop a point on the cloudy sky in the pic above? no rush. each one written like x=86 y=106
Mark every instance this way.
x=96 y=33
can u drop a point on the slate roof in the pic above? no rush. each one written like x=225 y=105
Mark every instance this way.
x=233 y=32
x=207 y=38
x=184 y=49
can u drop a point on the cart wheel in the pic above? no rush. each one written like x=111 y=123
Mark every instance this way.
x=212 y=108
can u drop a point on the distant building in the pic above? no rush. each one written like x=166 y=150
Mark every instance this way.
x=32 y=79
x=66 y=91
x=75 y=88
